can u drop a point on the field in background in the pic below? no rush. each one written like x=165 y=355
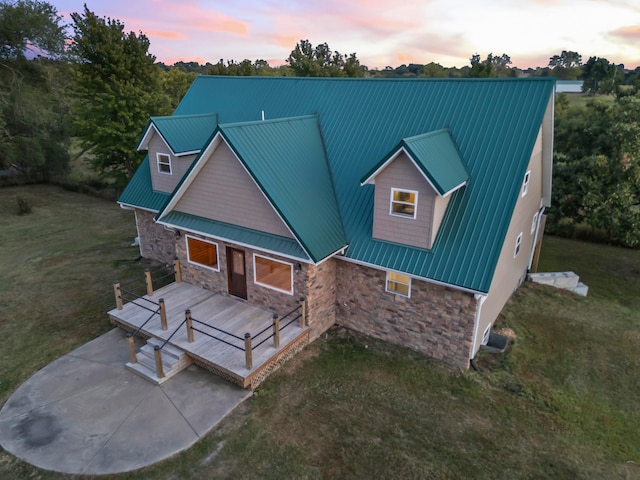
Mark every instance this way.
x=561 y=403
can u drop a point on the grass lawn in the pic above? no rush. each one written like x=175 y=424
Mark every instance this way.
x=563 y=402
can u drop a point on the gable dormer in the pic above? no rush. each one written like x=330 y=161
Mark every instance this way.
x=173 y=143
x=413 y=186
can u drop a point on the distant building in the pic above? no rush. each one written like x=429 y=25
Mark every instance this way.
x=569 y=86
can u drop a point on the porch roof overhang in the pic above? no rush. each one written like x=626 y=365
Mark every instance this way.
x=266 y=242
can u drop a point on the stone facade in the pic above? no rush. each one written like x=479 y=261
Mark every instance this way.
x=437 y=321
x=156 y=242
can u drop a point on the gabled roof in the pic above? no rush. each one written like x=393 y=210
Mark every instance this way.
x=184 y=134
x=286 y=160
x=436 y=157
x=139 y=191
x=495 y=123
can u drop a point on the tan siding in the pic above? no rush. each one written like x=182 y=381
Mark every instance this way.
x=401 y=173
x=179 y=165
x=439 y=209
x=511 y=271
x=224 y=191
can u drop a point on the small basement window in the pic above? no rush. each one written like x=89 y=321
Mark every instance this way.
x=202 y=252
x=273 y=274
x=399 y=284
x=403 y=203
x=534 y=223
x=164 y=163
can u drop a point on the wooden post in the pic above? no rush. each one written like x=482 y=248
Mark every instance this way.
x=303 y=312
x=190 y=336
x=248 y=352
x=147 y=278
x=132 y=348
x=158 y=355
x=276 y=330
x=118 y=293
x=176 y=270
x=163 y=314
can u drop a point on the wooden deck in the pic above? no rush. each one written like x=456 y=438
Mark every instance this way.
x=224 y=313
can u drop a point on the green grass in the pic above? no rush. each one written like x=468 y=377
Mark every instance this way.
x=581 y=99
x=561 y=403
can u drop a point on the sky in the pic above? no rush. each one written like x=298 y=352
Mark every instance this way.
x=380 y=32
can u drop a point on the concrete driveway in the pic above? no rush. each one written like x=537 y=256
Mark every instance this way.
x=85 y=413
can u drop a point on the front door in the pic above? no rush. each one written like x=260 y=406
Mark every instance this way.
x=237 y=275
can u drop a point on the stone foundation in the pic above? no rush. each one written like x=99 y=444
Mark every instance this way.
x=437 y=321
x=156 y=242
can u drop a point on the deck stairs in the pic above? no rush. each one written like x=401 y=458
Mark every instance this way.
x=174 y=361
x=564 y=280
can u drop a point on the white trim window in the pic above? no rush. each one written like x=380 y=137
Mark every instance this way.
x=202 y=253
x=403 y=203
x=399 y=284
x=486 y=335
x=273 y=274
x=516 y=251
x=164 y=163
x=525 y=183
x=534 y=223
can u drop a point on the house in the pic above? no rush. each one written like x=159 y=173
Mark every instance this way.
x=405 y=209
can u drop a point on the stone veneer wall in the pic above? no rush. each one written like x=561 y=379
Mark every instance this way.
x=437 y=321
x=156 y=242
x=317 y=284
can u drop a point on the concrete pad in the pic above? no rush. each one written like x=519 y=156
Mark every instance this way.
x=86 y=414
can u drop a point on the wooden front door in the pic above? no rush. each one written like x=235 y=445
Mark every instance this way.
x=237 y=273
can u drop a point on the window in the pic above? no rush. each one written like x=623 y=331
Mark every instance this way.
x=486 y=335
x=518 y=243
x=398 y=283
x=273 y=274
x=202 y=252
x=525 y=183
x=534 y=223
x=164 y=163
x=403 y=203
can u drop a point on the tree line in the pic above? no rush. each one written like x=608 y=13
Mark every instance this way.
x=99 y=85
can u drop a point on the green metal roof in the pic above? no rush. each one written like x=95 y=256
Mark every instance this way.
x=139 y=191
x=286 y=158
x=266 y=241
x=493 y=122
x=183 y=133
x=436 y=156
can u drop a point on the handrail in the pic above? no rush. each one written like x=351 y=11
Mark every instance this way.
x=170 y=336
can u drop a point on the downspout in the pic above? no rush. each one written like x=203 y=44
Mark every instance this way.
x=480 y=299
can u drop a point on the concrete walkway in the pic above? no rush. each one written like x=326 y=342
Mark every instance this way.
x=85 y=413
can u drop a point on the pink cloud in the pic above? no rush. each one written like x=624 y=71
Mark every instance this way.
x=165 y=34
x=631 y=32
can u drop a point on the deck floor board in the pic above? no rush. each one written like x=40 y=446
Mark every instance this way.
x=224 y=313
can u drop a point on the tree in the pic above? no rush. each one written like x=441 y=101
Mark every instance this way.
x=34 y=102
x=491 y=66
x=175 y=83
x=119 y=88
x=30 y=25
x=599 y=76
x=321 y=61
x=566 y=66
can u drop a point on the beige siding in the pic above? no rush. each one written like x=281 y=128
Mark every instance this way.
x=163 y=182
x=511 y=271
x=402 y=174
x=439 y=209
x=224 y=191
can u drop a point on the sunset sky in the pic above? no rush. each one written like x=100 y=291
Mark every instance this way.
x=380 y=32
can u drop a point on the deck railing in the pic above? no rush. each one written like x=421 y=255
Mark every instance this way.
x=132 y=292
x=246 y=344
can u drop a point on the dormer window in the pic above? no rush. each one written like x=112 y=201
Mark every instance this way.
x=403 y=203
x=164 y=163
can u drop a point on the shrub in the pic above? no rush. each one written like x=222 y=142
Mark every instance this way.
x=24 y=207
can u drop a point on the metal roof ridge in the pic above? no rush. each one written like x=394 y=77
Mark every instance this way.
x=269 y=121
